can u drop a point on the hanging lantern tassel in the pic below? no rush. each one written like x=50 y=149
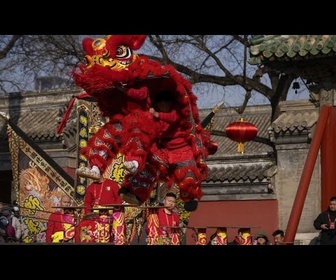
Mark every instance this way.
x=241 y=132
x=241 y=148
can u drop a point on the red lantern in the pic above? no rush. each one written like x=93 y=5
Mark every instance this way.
x=241 y=131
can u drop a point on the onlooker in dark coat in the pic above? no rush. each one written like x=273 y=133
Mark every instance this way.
x=326 y=222
x=3 y=235
x=15 y=231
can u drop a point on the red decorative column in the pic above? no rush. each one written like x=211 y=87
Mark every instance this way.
x=307 y=172
x=328 y=160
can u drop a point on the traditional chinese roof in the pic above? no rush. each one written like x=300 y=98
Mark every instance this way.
x=312 y=57
x=295 y=121
x=37 y=114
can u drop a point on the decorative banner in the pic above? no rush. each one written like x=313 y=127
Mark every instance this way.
x=84 y=110
x=246 y=239
x=174 y=235
x=87 y=231
x=153 y=226
x=104 y=229
x=244 y=236
x=39 y=183
x=94 y=230
x=118 y=227
x=201 y=236
x=221 y=236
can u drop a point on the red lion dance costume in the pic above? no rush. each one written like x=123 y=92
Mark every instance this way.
x=125 y=86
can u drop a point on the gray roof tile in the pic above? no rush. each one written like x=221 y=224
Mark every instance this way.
x=241 y=172
x=291 y=121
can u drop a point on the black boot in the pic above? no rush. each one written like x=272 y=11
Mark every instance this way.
x=190 y=205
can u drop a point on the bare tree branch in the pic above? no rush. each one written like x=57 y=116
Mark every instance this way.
x=208 y=60
x=9 y=45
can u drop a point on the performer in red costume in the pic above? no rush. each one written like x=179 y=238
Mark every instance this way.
x=61 y=223
x=167 y=223
x=108 y=226
x=173 y=153
x=124 y=85
x=101 y=193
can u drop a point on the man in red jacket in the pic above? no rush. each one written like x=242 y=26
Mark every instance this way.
x=107 y=226
x=61 y=224
x=162 y=228
x=99 y=193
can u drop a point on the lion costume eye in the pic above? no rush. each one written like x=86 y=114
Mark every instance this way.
x=123 y=53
